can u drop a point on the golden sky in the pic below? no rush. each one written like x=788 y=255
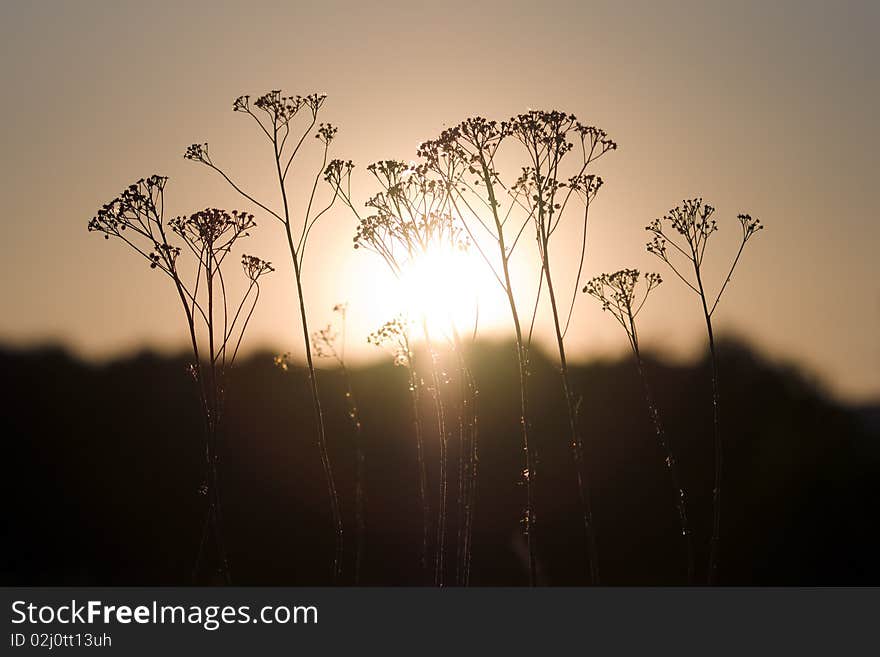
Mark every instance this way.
x=766 y=108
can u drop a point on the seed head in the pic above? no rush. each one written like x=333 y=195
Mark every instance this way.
x=254 y=267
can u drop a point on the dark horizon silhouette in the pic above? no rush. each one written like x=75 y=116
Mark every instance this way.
x=104 y=468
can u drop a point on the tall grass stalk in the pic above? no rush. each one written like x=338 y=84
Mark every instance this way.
x=440 y=414
x=617 y=294
x=548 y=138
x=324 y=345
x=411 y=221
x=286 y=122
x=395 y=333
x=463 y=158
x=468 y=462
x=137 y=218
x=687 y=229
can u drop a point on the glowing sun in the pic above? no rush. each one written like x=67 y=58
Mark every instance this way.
x=446 y=286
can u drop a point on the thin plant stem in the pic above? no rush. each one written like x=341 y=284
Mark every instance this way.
x=718 y=445
x=440 y=413
x=547 y=138
x=359 y=475
x=576 y=444
x=137 y=215
x=422 y=468
x=617 y=293
x=324 y=345
x=279 y=112
x=396 y=332
x=313 y=382
x=468 y=462
x=319 y=421
x=693 y=225
x=669 y=457
x=529 y=471
x=411 y=223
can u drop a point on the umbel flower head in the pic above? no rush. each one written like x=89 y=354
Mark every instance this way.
x=692 y=221
x=556 y=132
x=585 y=185
x=412 y=215
x=338 y=171
x=198 y=153
x=280 y=109
x=394 y=334
x=682 y=235
x=324 y=342
x=326 y=133
x=213 y=229
x=749 y=225
x=136 y=217
x=619 y=294
x=548 y=137
x=463 y=144
x=136 y=208
x=618 y=288
x=255 y=267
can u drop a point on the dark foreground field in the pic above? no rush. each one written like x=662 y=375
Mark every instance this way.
x=102 y=468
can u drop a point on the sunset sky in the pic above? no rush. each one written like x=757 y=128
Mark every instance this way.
x=765 y=108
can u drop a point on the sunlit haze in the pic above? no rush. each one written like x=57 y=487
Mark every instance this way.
x=767 y=108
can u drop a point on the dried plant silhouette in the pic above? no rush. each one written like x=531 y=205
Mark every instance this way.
x=687 y=229
x=394 y=334
x=330 y=344
x=477 y=189
x=549 y=138
x=463 y=158
x=324 y=343
x=617 y=292
x=286 y=122
x=411 y=223
x=468 y=461
x=137 y=217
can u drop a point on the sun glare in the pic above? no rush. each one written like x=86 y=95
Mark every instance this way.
x=444 y=286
